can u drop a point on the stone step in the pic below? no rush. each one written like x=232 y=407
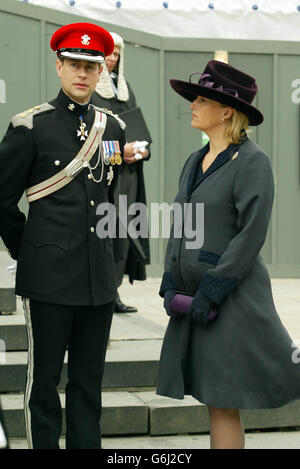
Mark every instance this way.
x=129 y=363
x=145 y=413
x=124 y=327
x=13 y=336
x=170 y=416
x=7 y=299
x=123 y=414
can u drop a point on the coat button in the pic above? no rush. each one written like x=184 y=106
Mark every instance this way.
x=89 y=176
x=57 y=162
x=92 y=203
x=173 y=258
x=92 y=229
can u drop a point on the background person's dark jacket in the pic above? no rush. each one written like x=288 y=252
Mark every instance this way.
x=135 y=267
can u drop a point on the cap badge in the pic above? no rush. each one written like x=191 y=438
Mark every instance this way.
x=85 y=40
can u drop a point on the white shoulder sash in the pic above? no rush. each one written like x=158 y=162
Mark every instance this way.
x=81 y=161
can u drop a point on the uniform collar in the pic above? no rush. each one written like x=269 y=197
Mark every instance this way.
x=72 y=106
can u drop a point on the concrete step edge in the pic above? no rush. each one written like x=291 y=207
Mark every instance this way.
x=160 y=415
x=118 y=351
x=127 y=365
x=7 y=298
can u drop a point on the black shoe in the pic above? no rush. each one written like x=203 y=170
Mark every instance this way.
x=121 y=308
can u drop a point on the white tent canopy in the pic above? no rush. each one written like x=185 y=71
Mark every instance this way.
x=227 y=19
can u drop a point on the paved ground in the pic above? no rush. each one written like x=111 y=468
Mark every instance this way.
x=289 y=439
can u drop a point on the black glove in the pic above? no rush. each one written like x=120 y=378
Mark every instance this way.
x=168 y=297
x=202 y=309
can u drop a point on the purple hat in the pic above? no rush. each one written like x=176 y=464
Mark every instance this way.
x=225 y=84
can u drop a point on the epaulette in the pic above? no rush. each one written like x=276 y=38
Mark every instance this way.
x=26 y=118
x=110 y=113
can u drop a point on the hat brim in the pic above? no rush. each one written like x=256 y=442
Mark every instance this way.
x=190 y=91
x=82 y=56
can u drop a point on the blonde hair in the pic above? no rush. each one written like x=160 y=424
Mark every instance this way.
x=236 y=126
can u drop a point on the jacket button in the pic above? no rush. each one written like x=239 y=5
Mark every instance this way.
x=173 y=258
x=92 y=203
x=57 y=162
x=89 y=176
x=92 y=229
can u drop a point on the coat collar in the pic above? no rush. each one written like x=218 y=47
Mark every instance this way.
x=196 y=175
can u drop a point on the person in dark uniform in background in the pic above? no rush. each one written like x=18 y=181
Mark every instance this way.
x=114 y=92
x=65 y=270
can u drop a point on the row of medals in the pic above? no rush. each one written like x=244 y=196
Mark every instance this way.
x=110 y=148
x=112 y=157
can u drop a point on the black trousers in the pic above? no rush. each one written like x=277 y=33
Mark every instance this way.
x=51 y=329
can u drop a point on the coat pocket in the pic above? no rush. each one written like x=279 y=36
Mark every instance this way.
x=193 y=267
x=45 y=259
x=209 y=257
x=39 y=236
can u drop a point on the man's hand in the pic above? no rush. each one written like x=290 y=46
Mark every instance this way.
x=130 y=151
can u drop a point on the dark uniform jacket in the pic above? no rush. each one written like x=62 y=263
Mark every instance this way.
x=135 y=267
x=60 y=257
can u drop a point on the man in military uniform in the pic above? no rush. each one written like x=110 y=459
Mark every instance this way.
x=65 y=269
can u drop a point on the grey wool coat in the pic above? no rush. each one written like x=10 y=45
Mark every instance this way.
x=244 y=358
